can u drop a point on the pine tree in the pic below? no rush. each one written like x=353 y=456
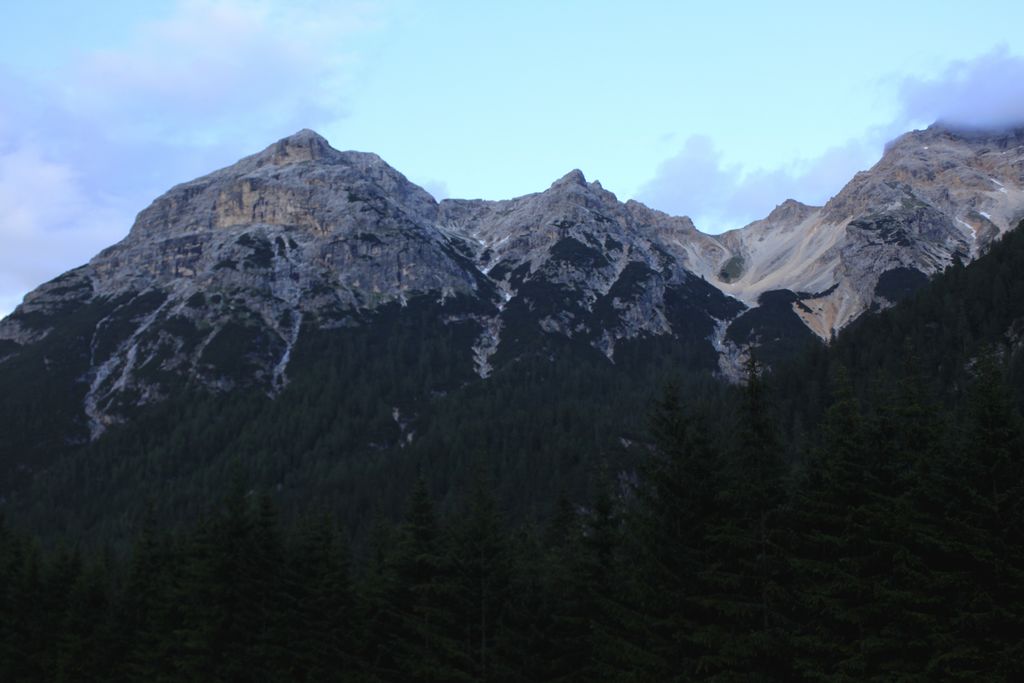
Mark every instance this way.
x=827 y=540
x=23 y=628
x=8 y=551
x=426 y=646
x=377 y=596
x=748 y=570
x=218 y=595
x=145 y=607
x=85 y=641
x=481 y=580
x=658 y=631
x=321 y=622
x=976 y=492
x=597 y=583
x=266 y=592
x=897 y=533
x=538 y=569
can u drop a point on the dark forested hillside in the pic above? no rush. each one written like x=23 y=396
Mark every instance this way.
x=373 y=406
x=855 y=514
x=368 y=409
x=894 y=551
x=936 y=334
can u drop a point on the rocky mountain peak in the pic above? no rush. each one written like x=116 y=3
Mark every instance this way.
x=306 y=145
x=943 y=136
x=573 y=178
x=935 y=196
x=301 y=236
x=1001 y=137
x=573 y=187
x=790 y=211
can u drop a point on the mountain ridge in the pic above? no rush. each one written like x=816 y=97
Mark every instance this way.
x=300 y=236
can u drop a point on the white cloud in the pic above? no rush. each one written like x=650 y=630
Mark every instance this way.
x=195 y=90
x=438 y=189
x=984 y=92
x=7 y=304
x=980 y=93
x=698 y=183
x=48 y=221
x=217 y=67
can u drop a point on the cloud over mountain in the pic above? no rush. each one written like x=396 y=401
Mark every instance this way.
x=980 y=93
x=984 y=92
x=79 y=155
x=719 y=196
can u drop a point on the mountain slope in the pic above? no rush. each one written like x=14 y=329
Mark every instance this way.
x=303 y=233
x=223 y=279
x=935 y=196
x=331 y=274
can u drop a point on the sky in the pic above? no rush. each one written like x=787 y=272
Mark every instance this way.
x=718 y=111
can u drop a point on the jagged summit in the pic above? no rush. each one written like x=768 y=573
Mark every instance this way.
x=305 y=136
x=574 y=183
x=935 y=196
x=299 y=182
x=942 y=133
x=573 y=177
x=789 y=211
x=306 y=145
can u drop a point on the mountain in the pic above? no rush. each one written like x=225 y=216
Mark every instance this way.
x=286 y=356
x=312 y=310
x=303 y=235
x=219 y=277
x=935 y=196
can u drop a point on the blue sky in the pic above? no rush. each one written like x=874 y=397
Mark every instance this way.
x=719 y=111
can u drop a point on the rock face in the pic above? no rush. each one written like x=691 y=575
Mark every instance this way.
x=235 y=262
x=586 y=266
x=935 y=196
x=219 y=277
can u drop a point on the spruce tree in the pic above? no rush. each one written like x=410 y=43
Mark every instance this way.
x=425 y=644
x=827 y=541
x=977 y=495
x=748 y=571
x=658 y=631
x=481 y=582
x=322 y=624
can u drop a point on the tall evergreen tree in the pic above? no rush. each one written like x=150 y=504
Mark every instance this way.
x=377 y=595
x=827 y=542
x=322 y=623
x=145 y=606
x=976 y=494
x=426 y=643
x=85 y=640
x=481 y=580
x=748 y=573
x=659 y=631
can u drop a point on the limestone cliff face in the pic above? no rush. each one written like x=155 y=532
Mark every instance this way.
x=297 y=234
x=231 y=267
x=311 y=218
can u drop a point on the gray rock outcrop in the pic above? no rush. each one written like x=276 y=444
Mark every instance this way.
x=935 y=196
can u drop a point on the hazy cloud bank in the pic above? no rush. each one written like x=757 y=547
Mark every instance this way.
x=696 y=182
x=987 y=92
x=185 y=94
x=981 y=93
